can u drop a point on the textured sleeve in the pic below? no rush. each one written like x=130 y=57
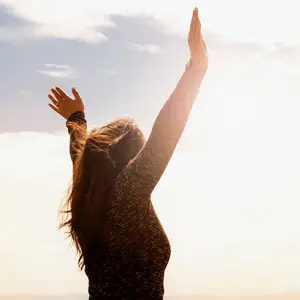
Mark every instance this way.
x=77 y=128
x=144 y=172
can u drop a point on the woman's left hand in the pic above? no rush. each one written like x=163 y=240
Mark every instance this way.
x=197 y=45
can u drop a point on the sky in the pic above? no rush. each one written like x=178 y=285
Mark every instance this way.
x=230 y=197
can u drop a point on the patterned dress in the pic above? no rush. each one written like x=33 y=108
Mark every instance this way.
x=132 y=263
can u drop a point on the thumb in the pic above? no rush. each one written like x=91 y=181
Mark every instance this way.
x=76 y=95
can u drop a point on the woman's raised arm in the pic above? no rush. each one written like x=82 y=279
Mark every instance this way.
x=144 y=172
x=72 y=109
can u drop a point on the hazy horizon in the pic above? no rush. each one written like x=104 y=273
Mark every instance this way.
x=229 y=200
x=280 y=296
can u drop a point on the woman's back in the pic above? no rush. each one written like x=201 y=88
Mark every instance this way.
x=133 y=259
x=127 y=251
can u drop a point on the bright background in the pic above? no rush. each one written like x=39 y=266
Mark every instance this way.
x=230 y=198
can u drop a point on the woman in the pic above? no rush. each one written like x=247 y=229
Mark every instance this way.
x=109 y=214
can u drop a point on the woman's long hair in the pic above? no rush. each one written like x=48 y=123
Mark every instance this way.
x=100 y=156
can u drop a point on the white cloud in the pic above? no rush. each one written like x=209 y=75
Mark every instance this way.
x=57 y=66
x=153 y=49
x=15 y=34
x=265 y=21
x=25 y=93
x=233 y=213
x=54 y=70
x=111 y=72
x=35 y=174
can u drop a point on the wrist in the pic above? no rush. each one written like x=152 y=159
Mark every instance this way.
x=79 y=114
x=197 y=64
x=196 y=68
x=76 y=112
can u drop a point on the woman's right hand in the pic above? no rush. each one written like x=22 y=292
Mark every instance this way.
x=63 y=104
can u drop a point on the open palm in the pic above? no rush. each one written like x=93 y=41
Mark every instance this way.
x=63 y=104
x=196 y=43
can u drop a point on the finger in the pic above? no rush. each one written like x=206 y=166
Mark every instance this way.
x=76 y=95
x=197 y=20
x=200 y=24
x=56 y=94
x=196 y=12
x=192 y=21
x=54 y=108
x=198 y=29
x=195 y=23
x=55 y=102
x=62 y=93
x=192 y=28
x=204 y=46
